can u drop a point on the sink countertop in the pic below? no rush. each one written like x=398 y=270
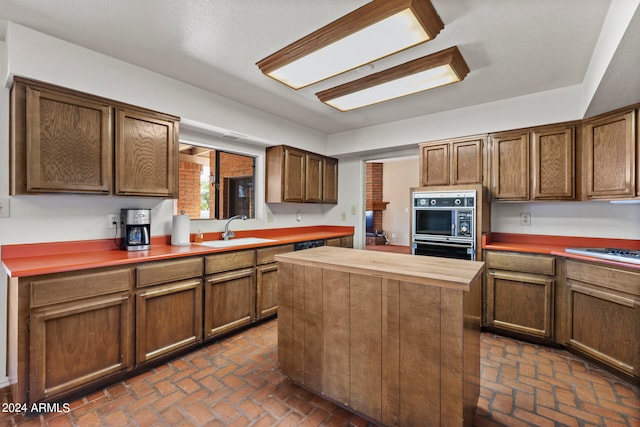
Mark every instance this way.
x=44 y=258
x=556 y=245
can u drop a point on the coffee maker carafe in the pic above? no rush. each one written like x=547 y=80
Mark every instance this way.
x=136 y=229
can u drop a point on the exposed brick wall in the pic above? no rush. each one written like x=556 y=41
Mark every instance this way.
x=189 y=189
x=374 y=189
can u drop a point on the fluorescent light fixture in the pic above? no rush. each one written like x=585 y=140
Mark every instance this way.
x=378 y=29
x=438 y=69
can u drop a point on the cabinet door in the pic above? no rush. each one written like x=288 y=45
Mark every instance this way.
x=466 y=162
x=267 y=290
x=76 y=344
x=313 y=178
x=434 y=164
x=520 y=302
x=510 y=166
x=168 y=319
x=68 y=144
x=330 y=181
x=293 y=175
x=230 y=301
x=610 y=156
x=553 y=163
x=605 y=324
x=146 y=154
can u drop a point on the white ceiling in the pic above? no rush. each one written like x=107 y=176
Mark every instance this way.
x=512 y=47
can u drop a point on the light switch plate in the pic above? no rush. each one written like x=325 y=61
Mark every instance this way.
x=4 y=208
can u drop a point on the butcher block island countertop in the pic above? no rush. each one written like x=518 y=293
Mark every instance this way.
x=393 y=337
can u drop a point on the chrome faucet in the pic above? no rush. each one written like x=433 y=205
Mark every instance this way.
x=226 y=235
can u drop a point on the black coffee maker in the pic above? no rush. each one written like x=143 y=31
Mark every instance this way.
x=135 y=229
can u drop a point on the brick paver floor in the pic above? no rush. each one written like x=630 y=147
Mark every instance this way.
x=235 y=382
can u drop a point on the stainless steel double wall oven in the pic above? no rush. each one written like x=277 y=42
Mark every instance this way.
x=443 y=223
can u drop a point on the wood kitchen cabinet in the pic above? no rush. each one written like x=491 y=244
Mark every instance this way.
x=313 y=178
x=534 y=164
x=146 y=156
x=603 y=314
x=295 y=175
x=453 y=161
x=168 y=307
x=342 y=242
x=520 y=293
x=229 y=292
x=267 y=279
x=69 y=331
x=330 y=181
x=610 y=145
x=510 y=166
x=553 y=163
x=62 y=140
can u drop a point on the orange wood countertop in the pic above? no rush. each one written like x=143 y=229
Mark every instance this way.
x=44 y=258
x=556 y=245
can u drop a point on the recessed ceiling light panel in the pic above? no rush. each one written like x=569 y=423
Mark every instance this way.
x=439 y=69
x=375 y=30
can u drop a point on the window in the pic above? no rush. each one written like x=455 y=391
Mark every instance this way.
x=215 y=184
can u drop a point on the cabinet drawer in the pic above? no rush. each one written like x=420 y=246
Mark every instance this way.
x=65 y=287
x=527 y=263
x=229 y=261
x=168 y=271
x=266 y=255
x=607 y=277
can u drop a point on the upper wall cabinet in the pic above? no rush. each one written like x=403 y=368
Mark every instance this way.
x=146 y=154
x=453 y=161
x=553 y=163
x=66 y=141
x=610 y=156
x=295 y=175
x=510 y=166
x=534 y=164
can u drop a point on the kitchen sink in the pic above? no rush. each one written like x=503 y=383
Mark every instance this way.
x=235 y=242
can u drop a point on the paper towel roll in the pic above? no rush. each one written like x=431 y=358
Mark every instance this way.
x=180 y=230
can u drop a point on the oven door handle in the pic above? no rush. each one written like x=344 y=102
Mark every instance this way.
x=449 y=245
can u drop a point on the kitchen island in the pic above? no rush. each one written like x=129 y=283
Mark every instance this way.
x=393 y=337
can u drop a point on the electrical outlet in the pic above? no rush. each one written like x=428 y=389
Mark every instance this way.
x=4 y=208
x=269 y=216
x=353 y=209
x=343 y=216
x=113 y=220
x=298 y=216
x=525 y=219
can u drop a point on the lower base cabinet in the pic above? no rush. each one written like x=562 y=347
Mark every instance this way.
x=68 y=331
x=168 y=319
x=229 y=301
x=72 y=332
x=604 y=315
x=520 y=293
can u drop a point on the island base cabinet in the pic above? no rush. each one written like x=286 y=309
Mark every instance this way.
x=229 y=301
x=397 y=352
x=73 y=345
x=604 y=315
x=168 y=319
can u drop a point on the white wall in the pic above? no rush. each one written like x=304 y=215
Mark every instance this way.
x=398 y=176
x=585 y=219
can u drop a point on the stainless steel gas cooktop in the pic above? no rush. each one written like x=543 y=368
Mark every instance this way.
x=622 y=255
